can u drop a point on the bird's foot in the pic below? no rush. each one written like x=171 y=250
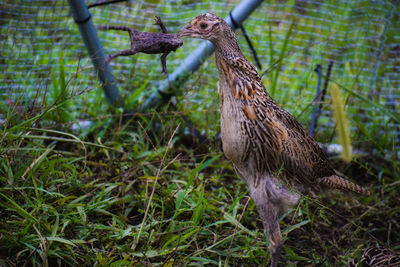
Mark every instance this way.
x=276 y=256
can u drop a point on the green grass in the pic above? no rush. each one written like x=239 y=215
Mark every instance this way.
x=124 y=194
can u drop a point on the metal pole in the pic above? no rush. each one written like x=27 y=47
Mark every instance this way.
x=195 y=59
x=88 y=32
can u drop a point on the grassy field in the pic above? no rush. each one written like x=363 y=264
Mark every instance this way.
x=127 y=195
x=138 y=189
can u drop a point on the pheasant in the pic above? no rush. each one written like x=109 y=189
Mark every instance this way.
x=268 y=147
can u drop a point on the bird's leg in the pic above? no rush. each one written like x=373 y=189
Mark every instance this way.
x=272 y=198
x=269 y=213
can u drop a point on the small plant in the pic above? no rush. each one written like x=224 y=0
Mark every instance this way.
x=342 y=125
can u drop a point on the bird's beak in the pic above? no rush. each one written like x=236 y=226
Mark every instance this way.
x=186 y=31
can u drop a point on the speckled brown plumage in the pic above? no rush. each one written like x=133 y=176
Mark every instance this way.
x=378 y=257
x=269 y=149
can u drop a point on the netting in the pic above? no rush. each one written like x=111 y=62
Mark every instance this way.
x=41 y=48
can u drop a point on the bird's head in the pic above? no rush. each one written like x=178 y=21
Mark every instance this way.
x=207 y=26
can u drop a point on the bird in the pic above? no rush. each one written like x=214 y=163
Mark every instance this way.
x=269 y=149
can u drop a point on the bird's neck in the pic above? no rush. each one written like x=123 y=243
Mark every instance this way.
x=227 y=48
x=227 y=45
x=227 y=52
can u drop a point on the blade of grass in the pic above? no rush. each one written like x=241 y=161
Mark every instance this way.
x=287 y=230
x=198 y=212
x=382 y=108
x=342 y=125
x=63 y=140
x=17 y=208
x=271 y=53
x=230 y=245
x=237 y=224
x=31 y=120
x=281 y=56
x=154 y=188
x=60 y=240
x=62 y=133
x=36 y=161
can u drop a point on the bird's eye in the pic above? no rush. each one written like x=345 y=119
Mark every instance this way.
x=203 y=25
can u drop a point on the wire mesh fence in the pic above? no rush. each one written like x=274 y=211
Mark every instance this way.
x=41 y=51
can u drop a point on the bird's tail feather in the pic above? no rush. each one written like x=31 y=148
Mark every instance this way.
x=337 y=182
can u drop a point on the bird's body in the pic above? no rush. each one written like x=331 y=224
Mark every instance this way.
x=269 y=149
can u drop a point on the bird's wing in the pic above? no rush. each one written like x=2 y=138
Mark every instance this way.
x=299 y=154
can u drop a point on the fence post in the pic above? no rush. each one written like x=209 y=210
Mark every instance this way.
x=88 y=32
x=195 y=59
